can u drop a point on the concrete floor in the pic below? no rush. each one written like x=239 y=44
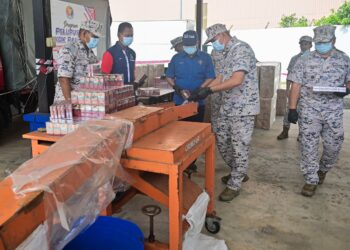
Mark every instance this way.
x=270 y=213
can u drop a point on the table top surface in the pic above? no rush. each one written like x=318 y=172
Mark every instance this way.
x=172 y=136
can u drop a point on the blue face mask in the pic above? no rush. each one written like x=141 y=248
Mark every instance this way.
x=190 y=49
x=218 y=46
x=127 y=40
x=93 y=42
x=323 y=48
x=306 y=52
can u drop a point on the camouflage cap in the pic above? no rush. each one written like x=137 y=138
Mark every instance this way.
x=214 y=30
x=93 y=26
x=324 y=34
x=176 y=41
x=305 y=39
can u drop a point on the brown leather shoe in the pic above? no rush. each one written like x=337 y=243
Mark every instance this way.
x=228 y=194
x=308 y=190
x=321 y=176
x=225 y=178
x=284 y=134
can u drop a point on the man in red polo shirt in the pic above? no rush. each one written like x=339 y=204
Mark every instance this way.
x=120 y=59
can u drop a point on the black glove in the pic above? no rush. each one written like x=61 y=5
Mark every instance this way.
x=177 y=90
x=194 y=94
x=200 y=93
x=293 y=116
x=340 y=94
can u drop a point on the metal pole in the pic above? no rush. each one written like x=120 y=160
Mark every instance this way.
x=180 y=9
x=199 y=21
x=42 y=30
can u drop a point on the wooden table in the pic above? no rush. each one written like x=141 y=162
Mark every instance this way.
x=40 y=141
x=166 y=95
x=157 y=162
x=163 y=148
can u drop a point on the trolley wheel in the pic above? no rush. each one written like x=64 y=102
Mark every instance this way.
x=212 y=225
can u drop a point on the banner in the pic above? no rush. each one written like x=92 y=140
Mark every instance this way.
x=66 y=19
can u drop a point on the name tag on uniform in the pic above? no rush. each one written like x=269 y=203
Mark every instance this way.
x=329 y=89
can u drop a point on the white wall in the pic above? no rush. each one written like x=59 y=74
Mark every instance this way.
x=152 y=38
x=247 y=14
x=281 y=44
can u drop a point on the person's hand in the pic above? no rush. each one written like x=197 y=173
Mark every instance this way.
x=200 y=93
x=177 y=90
x=217 y=80
x=342 y=94
x=194 y=94
x=293 y=116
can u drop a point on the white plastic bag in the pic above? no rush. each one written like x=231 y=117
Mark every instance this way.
x=37 y=240
x=195 y=217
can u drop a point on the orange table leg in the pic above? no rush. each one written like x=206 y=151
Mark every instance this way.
x=175 y=209
x=107 y=211
x=35 y=145
x=210 y=175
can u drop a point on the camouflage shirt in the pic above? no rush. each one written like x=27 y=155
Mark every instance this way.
x=72 y=61
x=313 y=70
x=293 y=61
x=218 y=59
x=244 y=99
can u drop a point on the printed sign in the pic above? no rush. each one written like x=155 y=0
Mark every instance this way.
x=66 y=19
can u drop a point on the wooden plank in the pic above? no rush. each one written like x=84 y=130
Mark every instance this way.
x=186 y=110
x=136 y=112
x=169 y=143
x=190 y=189
x=20 y=215
x=42 y=136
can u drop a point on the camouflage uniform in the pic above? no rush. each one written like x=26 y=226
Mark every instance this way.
x=291 y=64
x=72 y=63
x=175 y=42
x=320 y=114
x=74 y=58
x=215 y=98
x=239 y=105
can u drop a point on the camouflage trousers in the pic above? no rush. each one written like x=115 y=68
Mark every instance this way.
x=286 y=123
x=233 y=136
x=215 y=103
x=314 y=125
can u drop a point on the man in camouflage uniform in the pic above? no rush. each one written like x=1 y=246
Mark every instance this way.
x=215 y=98
x=74 y=58
x=177 y=44
x=320 y=113
x=305 y=46
x=239 y=92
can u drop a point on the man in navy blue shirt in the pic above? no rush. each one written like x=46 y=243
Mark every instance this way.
x=120 y=59
x=189 y=70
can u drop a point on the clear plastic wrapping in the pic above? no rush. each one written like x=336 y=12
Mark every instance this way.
x=77 y=174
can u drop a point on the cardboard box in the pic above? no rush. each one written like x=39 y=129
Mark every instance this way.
x=269 y=78
x=267 y=114
x=281 y=102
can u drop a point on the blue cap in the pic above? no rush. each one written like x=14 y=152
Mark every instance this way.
x=190 y=38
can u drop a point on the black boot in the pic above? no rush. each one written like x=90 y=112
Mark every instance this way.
x=284 y=134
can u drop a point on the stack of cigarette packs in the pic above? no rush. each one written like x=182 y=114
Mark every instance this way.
x=61 y=119
x=161 y=83
x=96 y=96
x=150 y=91
x=97 y=103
